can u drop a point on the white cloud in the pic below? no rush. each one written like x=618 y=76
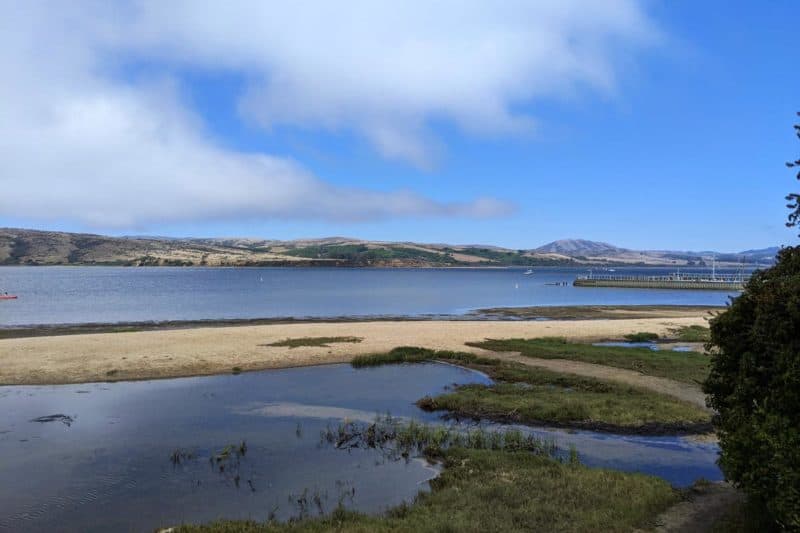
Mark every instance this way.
x=78 y=142
x=384 y=69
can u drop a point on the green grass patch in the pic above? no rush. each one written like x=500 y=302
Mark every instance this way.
x=323 y=342
x=692 y=333
x=412 y=354
x=689 y=367
x=618 y=408
x=642 y=336
x=531 y=395
x=485 y=490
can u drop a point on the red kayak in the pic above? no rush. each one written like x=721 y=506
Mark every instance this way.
x=7 y=297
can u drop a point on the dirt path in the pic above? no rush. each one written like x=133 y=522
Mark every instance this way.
x=217 y=350
x=698 y=514
x=683 y=391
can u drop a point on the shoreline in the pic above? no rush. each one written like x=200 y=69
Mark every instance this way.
x=499 y=314
x=197 y=351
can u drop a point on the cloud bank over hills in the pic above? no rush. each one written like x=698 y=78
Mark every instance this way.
x=86 y=138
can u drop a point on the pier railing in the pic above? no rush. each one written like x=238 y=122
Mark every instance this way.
x=731 y=282
x=708 y=278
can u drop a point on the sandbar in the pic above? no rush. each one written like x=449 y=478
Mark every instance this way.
x=200 y=351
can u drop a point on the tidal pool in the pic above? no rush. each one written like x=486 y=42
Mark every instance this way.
x=100 y=457
x=654 y=346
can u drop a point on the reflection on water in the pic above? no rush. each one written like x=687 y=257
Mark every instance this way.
x=110 y=468
x=298 y=410
x=679 y=460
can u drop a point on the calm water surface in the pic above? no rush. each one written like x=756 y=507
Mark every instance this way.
x=110 y=469
x=62 y=295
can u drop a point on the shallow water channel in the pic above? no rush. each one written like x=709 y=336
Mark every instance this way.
x=106 y=464
x=654 y=346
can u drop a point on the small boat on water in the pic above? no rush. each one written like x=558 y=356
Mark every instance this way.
x=8 y=296
x=528 y=272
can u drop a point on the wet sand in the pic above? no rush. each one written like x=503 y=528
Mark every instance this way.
x=574 y=312
x=584 y=312
x=214 y=350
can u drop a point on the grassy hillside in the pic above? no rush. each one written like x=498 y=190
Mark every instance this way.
x=30 y=247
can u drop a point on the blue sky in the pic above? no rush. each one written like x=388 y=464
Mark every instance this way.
x=644 y=124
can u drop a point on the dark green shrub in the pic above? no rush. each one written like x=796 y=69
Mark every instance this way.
x=754 y=386
x=641 y=336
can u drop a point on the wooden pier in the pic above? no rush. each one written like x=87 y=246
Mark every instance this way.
x=674 y=281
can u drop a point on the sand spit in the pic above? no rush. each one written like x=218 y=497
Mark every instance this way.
x=215 y=350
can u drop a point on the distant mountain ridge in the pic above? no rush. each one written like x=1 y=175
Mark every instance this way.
x=573 y=247
x=36 y=247
x=581 y=248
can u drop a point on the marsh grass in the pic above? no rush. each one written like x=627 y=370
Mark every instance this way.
x=688 y=367
x=531 y=395
x=323 y=342
x=397 y=439
x=230 y=451
x=692 y=333
x=641 y=336
x=618 y=409
x=227 y=462
x=180 y=456
x=411 y=354
x=494 y=490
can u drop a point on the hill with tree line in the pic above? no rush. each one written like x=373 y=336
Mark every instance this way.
x=35 y=247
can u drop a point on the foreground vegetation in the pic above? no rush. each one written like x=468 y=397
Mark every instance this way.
x=754 y=384
x=689 y=367
x=485 y=490
x=755 y=387
x=532 y=395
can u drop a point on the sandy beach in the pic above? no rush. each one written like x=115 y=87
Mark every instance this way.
x=213 y=350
